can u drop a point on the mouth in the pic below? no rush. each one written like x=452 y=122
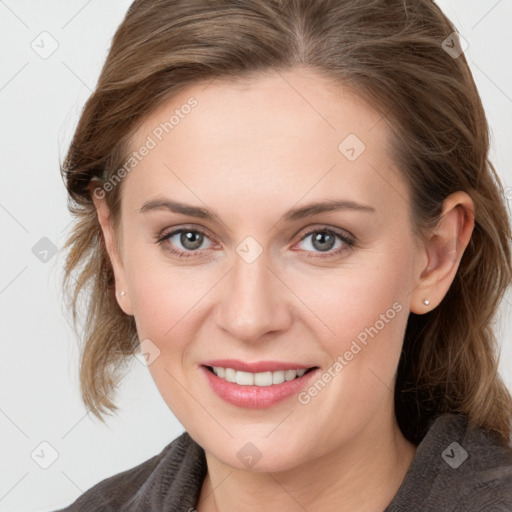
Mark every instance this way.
x=256 y=385
x=261 y=379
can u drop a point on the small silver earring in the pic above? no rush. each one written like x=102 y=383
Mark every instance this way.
x=122 y=294
x=426 y=302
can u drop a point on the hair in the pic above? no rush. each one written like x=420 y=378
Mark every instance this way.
x=391 y=53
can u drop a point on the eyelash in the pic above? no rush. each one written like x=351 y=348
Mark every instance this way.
x=348 y=241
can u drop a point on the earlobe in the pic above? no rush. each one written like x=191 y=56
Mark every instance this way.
x=104 y=218
x=444 y=250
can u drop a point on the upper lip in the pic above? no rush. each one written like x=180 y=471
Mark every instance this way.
x=257 y=367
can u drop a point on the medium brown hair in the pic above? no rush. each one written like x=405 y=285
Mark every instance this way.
x=391 y=53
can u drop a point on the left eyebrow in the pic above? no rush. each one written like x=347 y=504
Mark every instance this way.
x=323 y=207
x=294 y=214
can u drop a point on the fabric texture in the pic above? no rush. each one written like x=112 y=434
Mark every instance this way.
x=457 y=467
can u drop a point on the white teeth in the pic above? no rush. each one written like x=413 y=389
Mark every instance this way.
x=278 y=377
x=257 y=379
x=230 y=375
x=263 y=379
x=245 y=378
x=290 y=374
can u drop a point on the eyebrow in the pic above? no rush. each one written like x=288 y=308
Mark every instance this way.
x=294 y=214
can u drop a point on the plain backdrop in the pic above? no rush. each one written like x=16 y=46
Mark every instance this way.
x=42 y=420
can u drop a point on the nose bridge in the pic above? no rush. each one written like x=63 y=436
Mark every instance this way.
x=254 y=303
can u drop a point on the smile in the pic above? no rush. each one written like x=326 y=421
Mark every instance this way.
x=265 y=386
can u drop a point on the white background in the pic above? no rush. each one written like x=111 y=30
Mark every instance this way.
x=40 y=103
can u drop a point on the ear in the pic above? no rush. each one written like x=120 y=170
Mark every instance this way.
x=110 y=238
x=444 y=250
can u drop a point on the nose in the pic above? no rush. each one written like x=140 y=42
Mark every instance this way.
x=254 y=302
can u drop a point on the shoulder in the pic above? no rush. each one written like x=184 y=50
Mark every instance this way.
x=486 y=477
x=457 y=467
x=177 y=471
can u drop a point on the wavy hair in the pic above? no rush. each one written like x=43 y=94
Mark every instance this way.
x=392 y=53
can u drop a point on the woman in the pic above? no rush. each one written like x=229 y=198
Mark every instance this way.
x=286 y=209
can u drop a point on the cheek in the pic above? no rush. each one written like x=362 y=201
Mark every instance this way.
x=171 y=306
x=366 y=313
x=354 y=297
x=363 y=313
x=164 y=300
x=161 y=292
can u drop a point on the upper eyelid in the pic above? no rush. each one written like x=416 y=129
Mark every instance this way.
x=323 y=227
x=167 y=233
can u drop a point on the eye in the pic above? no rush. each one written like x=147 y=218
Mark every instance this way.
x=190 y=239
x=324 y=240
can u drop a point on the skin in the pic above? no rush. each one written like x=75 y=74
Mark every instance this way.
x=250 y=153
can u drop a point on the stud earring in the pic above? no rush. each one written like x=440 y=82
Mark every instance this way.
x=426 y=302
x=122 y=294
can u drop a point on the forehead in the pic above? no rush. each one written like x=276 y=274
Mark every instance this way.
x=297 y=104
x=278 y=133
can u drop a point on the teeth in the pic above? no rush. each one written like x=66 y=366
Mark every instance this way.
x=263 y=379
x=257 y=379
x=230 y=375
x=245 y=378
x=290 y=374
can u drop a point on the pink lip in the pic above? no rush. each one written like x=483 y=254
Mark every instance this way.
x=259 y=367
x=255 y=397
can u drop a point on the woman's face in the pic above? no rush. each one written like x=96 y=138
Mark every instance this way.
x=262 y=280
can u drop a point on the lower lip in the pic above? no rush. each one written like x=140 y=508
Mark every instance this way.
x=256 y=397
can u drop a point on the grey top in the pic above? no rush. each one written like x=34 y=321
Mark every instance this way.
x=457 y=467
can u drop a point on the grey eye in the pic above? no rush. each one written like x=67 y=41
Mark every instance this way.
x=323 y=240
x=190 y=240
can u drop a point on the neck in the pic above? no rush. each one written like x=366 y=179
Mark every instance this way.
x=363 y=474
